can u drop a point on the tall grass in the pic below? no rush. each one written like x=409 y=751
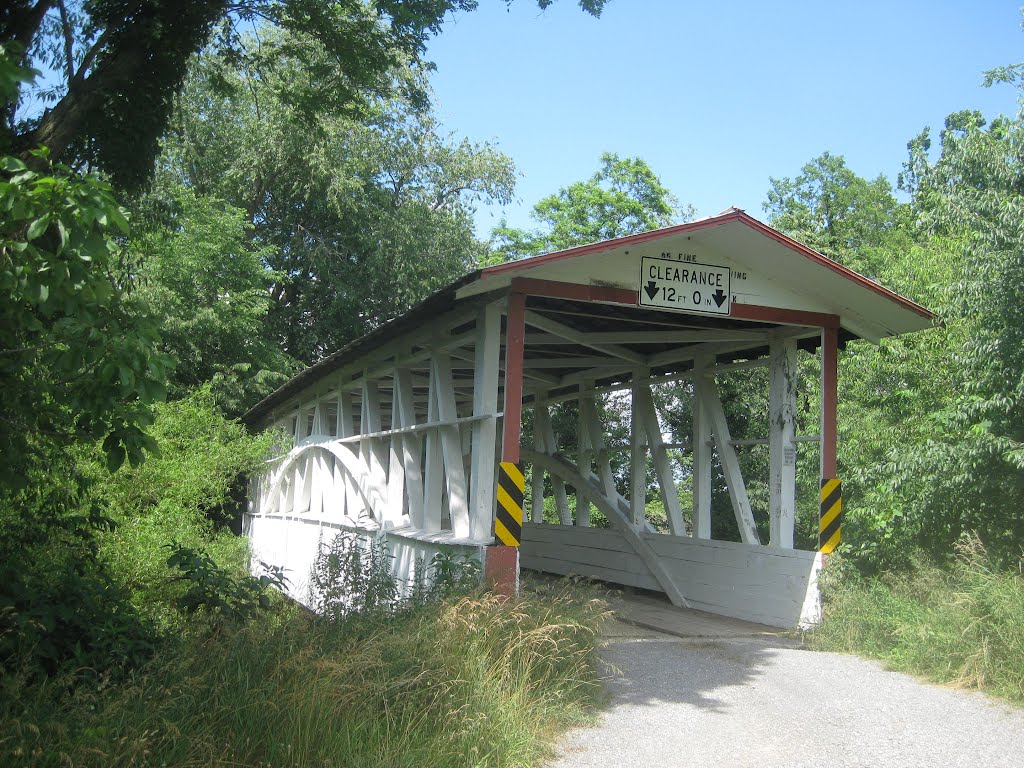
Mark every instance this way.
x=961 y=625
x=473 y=681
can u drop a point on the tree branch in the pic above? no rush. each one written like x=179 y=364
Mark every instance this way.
x=69 y=41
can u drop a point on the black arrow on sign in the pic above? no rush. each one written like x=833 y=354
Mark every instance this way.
x=719 y=297
x=652 y=289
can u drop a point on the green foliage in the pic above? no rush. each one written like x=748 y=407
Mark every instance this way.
x=206 y=280
x=214 y=589
x=352 y=575
x=475 y=680
x=188 y=494
x=359 y=217
x=76 y=363
x=961 y=624
x=622 y=198
x=60 y=609
x=835 y=211
x=116 y=70
x=452 y=574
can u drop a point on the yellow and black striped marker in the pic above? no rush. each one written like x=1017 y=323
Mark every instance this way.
x=831 y=522
x=508 y=523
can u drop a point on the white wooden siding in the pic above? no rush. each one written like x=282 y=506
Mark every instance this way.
x=770 y=586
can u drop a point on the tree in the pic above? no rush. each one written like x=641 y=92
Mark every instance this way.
x=361 y=217
x=119 y=65
x=202 y=275
x=76 y=363
x=622 y=198
x=841 y=214
x=970 y=200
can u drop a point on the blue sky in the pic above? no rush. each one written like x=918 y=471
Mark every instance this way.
x=716 y=97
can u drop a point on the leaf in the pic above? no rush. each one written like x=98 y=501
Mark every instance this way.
x=12 y=164
x=115 y=458
x=37 y=227
x=63 y=231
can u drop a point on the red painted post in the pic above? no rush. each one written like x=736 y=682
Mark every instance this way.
x=829 y=399
x=501 y=563
x=501 y=570
x=515 y=335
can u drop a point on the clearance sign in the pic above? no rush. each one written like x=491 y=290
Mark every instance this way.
x=685 y=286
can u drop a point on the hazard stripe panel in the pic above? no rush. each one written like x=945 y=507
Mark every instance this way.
x=831 y=520
x=508 y=517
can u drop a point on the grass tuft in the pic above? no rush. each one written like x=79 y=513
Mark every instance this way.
x=472 y=681
x=962 y=625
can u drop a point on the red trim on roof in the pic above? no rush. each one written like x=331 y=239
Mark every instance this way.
x=731 y=215
x=764 y=314
x=556 y=289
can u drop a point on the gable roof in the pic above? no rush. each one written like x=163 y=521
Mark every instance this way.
x=769 y=269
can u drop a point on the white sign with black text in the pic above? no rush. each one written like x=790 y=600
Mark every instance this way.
x=685 y=286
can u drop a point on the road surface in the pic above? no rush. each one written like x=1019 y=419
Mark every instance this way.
x=755 y=700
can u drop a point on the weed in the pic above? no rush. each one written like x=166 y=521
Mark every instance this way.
x=961 y=625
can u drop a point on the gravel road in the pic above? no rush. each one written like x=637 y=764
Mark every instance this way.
x=758 y=702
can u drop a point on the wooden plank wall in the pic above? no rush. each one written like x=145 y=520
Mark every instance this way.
x=771 y=586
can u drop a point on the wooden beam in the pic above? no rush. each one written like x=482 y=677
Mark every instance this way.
x=585 y=461
x=557 y=289
x=451 y=446
x=730 y=464
x=781 y=316
x=829 y=400
x=484 y=430
x=558 y=466
x=412 y=448
x=542 y=422
x=595 y=432
x=637 y=457
x=433 y=464
x=538 y=320
x=701 y=451
x=781 y=450
x=648 y=414
x=346 y=428
x=537 y=475
x=395 y=510
x=370 y=451
x=654 y=337
x=515 y=332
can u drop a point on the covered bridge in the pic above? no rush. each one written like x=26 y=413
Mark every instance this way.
x=399 y=435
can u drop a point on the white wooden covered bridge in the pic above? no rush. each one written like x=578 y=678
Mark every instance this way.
x=399 y=434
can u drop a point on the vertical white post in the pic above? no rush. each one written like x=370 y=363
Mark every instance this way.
x=537 y=479
x=451 y=444
x=433 y=481
x=542 y=421
x=412 y=447
x=701 y=453
x=485 y=403
x=394 y=511
x=585 y=459
x=319 y=496
x=371 y=450
x=781 y=449
x=346 y=428
x=637 y=456
x=595 y=431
